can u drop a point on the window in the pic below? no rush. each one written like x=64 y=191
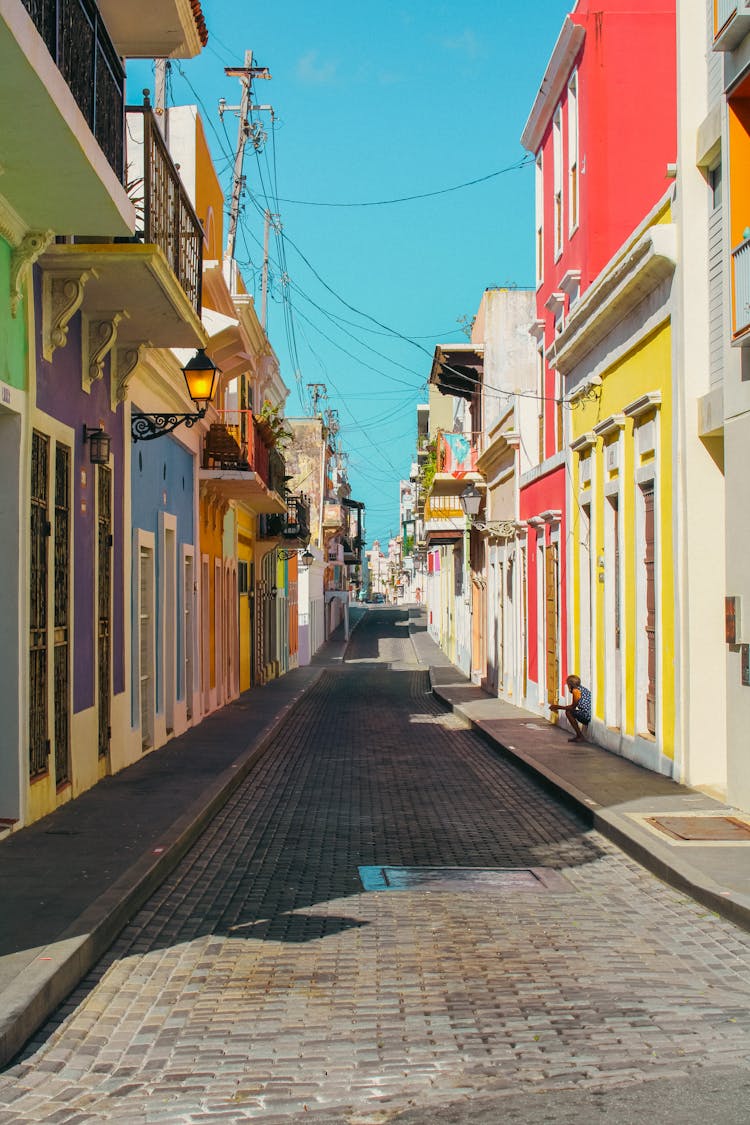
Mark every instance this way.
x=557 y=180
x=242 y=577
x=573 y=154
x=539 y=220
x=540 y=399
x=715 y=185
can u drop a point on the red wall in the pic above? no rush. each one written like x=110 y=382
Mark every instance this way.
x=627 y=109
x=544 y=495
x=627 y=130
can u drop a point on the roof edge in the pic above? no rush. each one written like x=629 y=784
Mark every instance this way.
x=561 y=61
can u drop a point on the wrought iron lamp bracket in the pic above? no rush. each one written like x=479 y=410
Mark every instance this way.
x=503 y=529
x=146 y=427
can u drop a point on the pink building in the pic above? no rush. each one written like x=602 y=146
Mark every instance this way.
x=604 y=116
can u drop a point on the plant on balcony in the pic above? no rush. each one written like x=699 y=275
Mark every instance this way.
x=408 y=547
x=272 y=426
x=136 y=189
x=428 y=469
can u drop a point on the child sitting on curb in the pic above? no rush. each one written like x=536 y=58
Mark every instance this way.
x=579 y=711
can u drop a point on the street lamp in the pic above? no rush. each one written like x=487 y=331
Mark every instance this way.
x=305 y=559
x=99 y=443
x=201 y=377
x=471 y=499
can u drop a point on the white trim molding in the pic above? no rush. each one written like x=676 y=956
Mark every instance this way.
x=569 y=43
x=584 y=442
x=536 y=329
x=643 y=405
x=611 y=425
x=555 y=303
x=643 y=265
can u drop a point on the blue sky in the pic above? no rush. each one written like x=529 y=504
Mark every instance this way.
x=375 y=102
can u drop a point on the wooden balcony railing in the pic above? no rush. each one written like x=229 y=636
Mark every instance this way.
x=164 y=213
x=235 y=442
x=79 y=44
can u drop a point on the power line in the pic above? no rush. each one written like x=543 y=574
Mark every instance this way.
x=522 y=163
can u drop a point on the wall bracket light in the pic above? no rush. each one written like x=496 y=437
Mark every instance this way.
x=201 y=376
x=99 y=443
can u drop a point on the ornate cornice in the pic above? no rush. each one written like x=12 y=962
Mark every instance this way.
x=99 y=338
x=620 y=287
x=123 y=364
x=584 y=442
x=12 y=226
x=24 y=255
x=62 y=297
x=643 y=405
x=611 y=425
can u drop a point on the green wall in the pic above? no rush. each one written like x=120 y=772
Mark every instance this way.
x=13 y=348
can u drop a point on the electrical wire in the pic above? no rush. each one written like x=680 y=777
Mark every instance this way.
x=524 y=162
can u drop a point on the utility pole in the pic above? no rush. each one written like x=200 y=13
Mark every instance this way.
x=246 y=74
x=269 y=218
x=161 y=73
x=317 y=391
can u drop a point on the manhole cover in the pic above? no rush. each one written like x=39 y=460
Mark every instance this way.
x=711 y=828
x=462 y=879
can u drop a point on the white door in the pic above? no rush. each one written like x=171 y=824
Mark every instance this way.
x=146 y=663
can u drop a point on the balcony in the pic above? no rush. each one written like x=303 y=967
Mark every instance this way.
x=62 y=75
x=238 y=465
x=297 y=525
x=731 y=23
x=444 y=520
x=741 y=272
x=164 y=213
x=333 y=516
x=457 y=455
x=458 y=370
x=150 y=282
x=156 y=29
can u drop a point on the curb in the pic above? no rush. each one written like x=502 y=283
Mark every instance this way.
x=669 y=868
x=60 y=966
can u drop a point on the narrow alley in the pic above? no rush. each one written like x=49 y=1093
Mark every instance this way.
x=291 y=969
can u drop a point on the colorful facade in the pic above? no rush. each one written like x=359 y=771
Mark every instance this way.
x=77 y=310
x=586 y=205
x=616 y=356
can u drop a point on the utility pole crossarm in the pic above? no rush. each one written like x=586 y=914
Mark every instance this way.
x=246 y=74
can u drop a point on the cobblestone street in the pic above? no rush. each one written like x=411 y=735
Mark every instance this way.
x=263 y=982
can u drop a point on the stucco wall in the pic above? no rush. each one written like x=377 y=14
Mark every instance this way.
x=13 y=350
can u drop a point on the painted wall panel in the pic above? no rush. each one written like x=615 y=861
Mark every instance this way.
x=61 y=395
x=13 y=348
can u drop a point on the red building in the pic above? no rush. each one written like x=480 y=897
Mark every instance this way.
x=603 y=118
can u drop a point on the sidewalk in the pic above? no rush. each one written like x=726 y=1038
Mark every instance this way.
x=615 y=795
x=70 y=882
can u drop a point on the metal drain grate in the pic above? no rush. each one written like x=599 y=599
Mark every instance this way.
x=469 y=879
x=713 y=829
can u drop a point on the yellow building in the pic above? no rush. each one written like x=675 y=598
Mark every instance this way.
x=615 y=353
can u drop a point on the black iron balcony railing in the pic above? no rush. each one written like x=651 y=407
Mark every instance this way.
x=297 y=524
x=164 y=213
x=77 y=40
